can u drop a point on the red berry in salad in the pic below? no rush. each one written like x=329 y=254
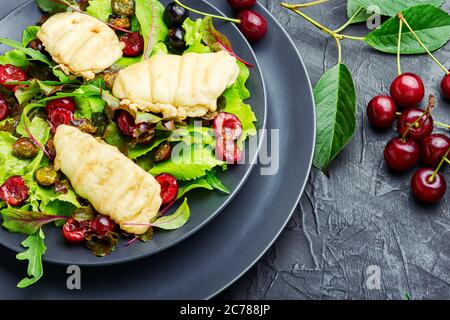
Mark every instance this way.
x=14 y=191
x=169 y=188
x=58 y=117
x=228 y=151
x=74 y=231
x=407 y=90
x=228 y=126
x=134 y=44
x=425 y=188
x=445 y=86
x=401 y=154
x=434 y=148
x=253 y=25
x=101 y=225
x=174 y=15
x=381 y=111
x=61 y=103
x=126 y=123
x=239 y=5
x=10 y=73
x=4 y=108
x=416 y=130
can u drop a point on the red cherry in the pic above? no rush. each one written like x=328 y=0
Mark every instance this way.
x=425 y=190
x=74 y=231
x=239 y=5
x=14 y=191
x=445 y=86
x=228 y=126
x=58 y=117
x=253 y=25
x=126 y=123
x=434 y=148
x=102 y=225
x=228 y=151
x=10 y=73
x=407 y=90
x=61 y=103
x=4 y=109
x=419 y=131
x=381 y=111
x=134 y=44
x=169 y=188
x=401 y=155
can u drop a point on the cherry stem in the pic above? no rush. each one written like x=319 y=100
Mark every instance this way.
x=444 y=159
x=349 y=21
x=402 y=18
x=308 y=4
x=207 y=14
x=439 y=124
x=74 y=8
x=399 y=45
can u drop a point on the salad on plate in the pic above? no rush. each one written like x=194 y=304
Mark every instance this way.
x=111 y=111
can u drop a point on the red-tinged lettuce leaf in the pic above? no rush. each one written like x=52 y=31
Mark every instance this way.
x=100 y=245
x=175 y=220
x=28 y=222
x=218 y=41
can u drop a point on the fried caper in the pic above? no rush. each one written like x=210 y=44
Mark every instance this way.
x=84 y=125
x=123 y=7
x=109 y=78
x=25 y=148
x=162 y=152
x=46 y=176
x=120 y=22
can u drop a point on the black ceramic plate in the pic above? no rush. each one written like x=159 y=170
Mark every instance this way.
x=214 y=257
x=204 y=205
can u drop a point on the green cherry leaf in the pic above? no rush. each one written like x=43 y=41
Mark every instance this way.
x=392 y=7
x=352 y=8
x=431 y=24
x=335 y=99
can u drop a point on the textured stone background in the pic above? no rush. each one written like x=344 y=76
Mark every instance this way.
x=363 y=214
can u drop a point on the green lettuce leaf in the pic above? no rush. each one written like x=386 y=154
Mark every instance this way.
x=150 y=16
x=191 y=163
x=50 y=6
x=244 y=74
x=35 y=249
x=16 y=58
x=193 y=36
x=86 y=106
x=29 y=34
x=100 y=9
x=33 y=54
x=9 y=164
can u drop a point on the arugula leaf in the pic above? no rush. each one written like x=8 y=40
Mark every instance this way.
x=175 y=220
x=35 y=87
x=392 y=7
x=192 y=162
x=216 y=183
x=194 y=36
x=28 y=222
x=335 y=99
x=16 y=58
x=29 y=34
x=100 y=9
x=35 y=250
x=150 y=16
x=34 y=54
x=51 y=6
x=431 y=24
x=201 y=183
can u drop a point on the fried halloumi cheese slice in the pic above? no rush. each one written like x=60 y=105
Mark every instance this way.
x=177 y=86
x=113 y=184
x=81 y=44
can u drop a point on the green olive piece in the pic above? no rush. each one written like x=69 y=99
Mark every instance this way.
x=46 y=176
x=25 y=148
x=123 y=7
x=162 y=152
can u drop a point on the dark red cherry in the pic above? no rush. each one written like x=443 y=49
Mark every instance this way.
x=401 y=154
x=253 y=25
x=4 y=108
x=126 y=123
x=74 y=231
x=445 y=86
x=426 y=190
x=434 y=148
x=228 y=125
x=61 y=103
x=102 y=225
x=227 y=150
x=134 y=44
x=14 y=191
x=59 y=117
x=381 y=111
x=407 y=90
x=239 y=5
x=169 y=188
x=421 y=129
x=10 y=73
